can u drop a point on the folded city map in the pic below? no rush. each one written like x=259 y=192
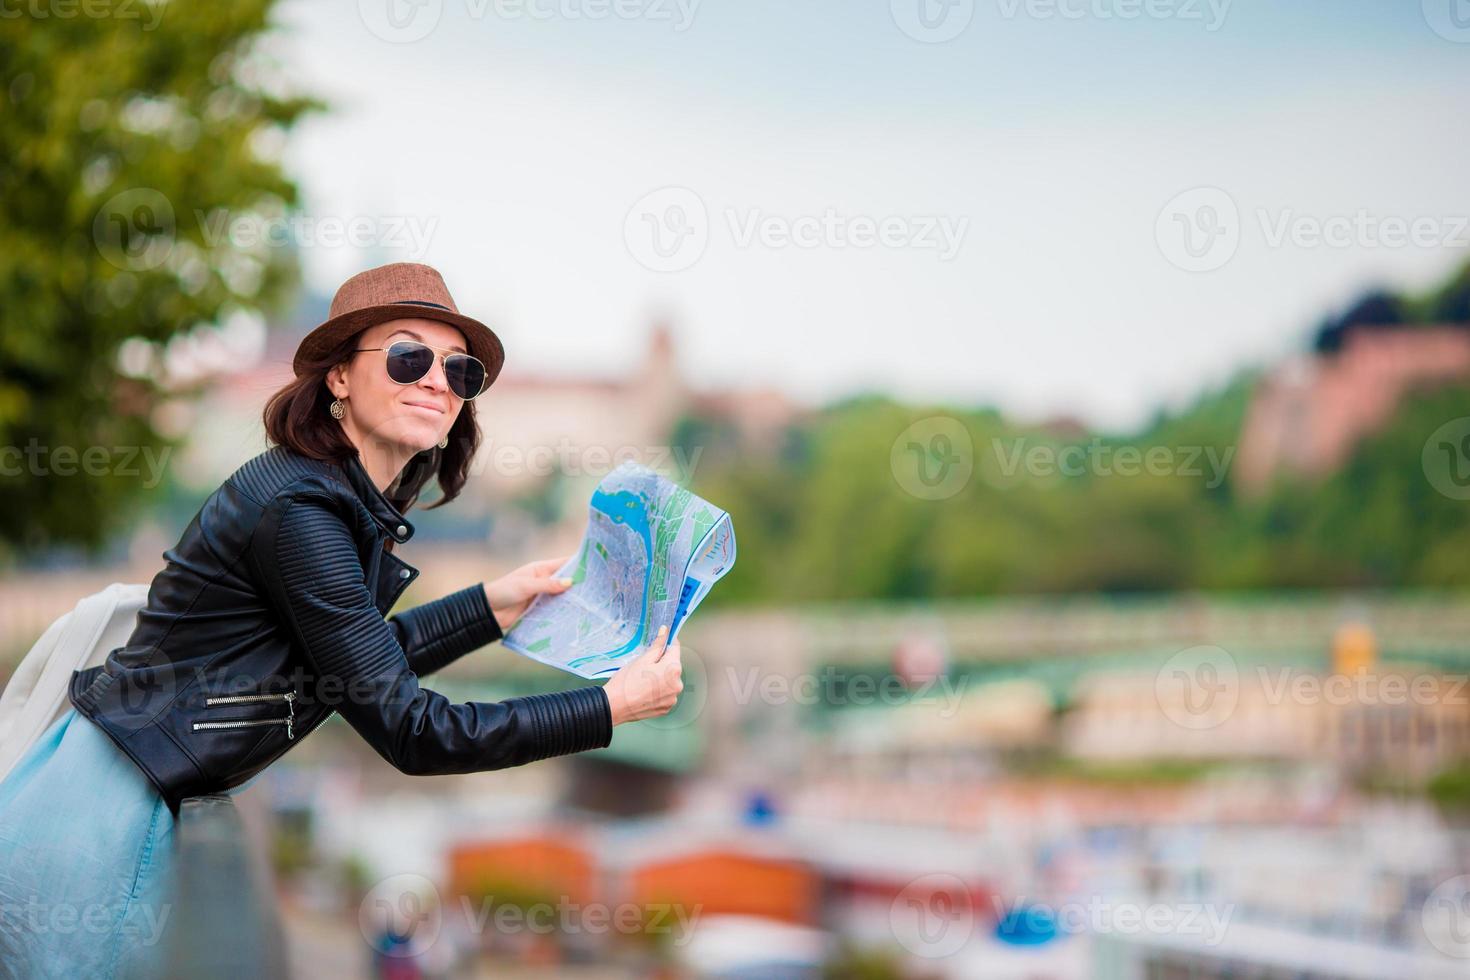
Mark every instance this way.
x=651 y=553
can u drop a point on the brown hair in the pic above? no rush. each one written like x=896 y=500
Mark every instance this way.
x=299 y=417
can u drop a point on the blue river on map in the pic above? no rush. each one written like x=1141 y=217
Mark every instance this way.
x=626 y=507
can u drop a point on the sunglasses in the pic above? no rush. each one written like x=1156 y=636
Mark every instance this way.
x=409 y=361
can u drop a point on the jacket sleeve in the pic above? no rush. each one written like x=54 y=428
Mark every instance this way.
x=309 y=565
x=436 y=634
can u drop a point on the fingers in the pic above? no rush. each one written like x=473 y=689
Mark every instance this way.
x=656 y=647
x=649 y=686
x=548 y=566
x=671 y=681
x=548 y=586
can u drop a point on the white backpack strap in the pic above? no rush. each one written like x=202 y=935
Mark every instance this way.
x=36 y=694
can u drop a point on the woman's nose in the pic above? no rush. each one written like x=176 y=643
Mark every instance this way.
x=435 y=380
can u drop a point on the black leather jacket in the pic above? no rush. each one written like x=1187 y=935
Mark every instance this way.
x=269 y=616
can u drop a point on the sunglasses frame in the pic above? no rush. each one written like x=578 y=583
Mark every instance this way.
x=443 y=354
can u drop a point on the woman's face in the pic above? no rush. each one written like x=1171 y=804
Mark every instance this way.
x=407 y=418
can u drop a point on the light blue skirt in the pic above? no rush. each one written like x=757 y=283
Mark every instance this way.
x=86 y=852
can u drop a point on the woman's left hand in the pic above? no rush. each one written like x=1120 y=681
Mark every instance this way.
x=510 y=594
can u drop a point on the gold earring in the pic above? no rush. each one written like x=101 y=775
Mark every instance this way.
x=338 y=409
x=444 y=443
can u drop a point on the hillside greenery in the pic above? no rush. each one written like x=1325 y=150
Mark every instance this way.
x=827 y=517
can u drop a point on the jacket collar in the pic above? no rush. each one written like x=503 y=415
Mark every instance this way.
x=388 y=517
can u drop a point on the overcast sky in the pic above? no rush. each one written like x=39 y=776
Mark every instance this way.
x=995 y=202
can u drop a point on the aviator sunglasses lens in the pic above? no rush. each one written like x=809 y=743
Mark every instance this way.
x=408 y=361
x=465 y=374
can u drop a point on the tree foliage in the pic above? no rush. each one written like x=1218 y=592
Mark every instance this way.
x=133 y=134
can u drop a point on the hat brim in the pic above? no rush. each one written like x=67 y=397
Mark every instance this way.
x=483 y=342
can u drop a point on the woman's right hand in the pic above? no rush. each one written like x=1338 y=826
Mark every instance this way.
x=648 y=686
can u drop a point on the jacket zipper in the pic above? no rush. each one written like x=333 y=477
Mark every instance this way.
x=289 y=698
x=246 y=698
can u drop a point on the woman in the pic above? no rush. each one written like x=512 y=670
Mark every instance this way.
x=269 y=616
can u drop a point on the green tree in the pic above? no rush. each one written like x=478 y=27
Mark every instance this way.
x=133 y=135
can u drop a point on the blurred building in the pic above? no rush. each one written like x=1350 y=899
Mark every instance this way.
x=545 y=438
x=1413 y=721
x=1355 y=897
x=586 y=424
x=1307 y=415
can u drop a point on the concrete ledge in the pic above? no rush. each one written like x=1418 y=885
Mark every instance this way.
x=225 y=922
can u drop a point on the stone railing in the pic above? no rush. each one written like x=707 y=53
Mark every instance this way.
x=224 y=922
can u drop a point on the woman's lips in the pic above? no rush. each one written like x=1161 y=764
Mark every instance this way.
x=425 y=406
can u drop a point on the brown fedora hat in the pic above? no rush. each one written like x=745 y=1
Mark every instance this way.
x=391 y=292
